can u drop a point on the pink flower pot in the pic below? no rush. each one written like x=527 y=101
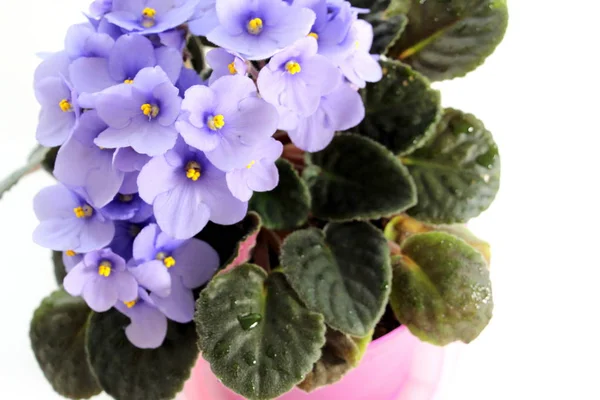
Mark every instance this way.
x=397 y=366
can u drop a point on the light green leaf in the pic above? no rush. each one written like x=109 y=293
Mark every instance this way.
x=257 y=336
x=35 y=160
x=343 y=273
x=441 y=289
x=356 y=178
x=457 y=172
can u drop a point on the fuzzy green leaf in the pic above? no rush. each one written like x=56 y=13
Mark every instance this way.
x=340 y=354
x=402 y=110
x=35 y=160
x=457 y=172
x=287 y=206
x=59 y=267
x=441 y=289
x=388 y=23
x=356 y=178
x=257 y=336
x=128 y=373
x=57 y=336
x=450 y=38
x=343 y=273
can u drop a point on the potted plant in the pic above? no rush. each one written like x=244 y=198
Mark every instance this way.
x=260 y=189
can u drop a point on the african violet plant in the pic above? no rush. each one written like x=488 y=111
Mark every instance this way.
x=255 y=181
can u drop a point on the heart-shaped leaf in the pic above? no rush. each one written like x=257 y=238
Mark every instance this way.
x=340 y=354
x=343 y=273
x=450 y=38
x=257 y=336
x=36 y=158
x=128 y=373
x=356 y=178
x=403 y=226
x=388 y=24
x=57 y=336
x=402 y=110
x=457 y=173
x=441 y=288
x=288 y=205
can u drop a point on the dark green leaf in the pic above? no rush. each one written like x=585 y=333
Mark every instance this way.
x=387 y=29
x=340 y=354
x=227 y=240
x=403 y=226
x=402 y=109
x=128 y=373
x=356 y=178
x=59 y=267
x=57 y=336
x=256 y=334
x=450 y=38
x=441 y=288
x=343 y=273
x=195 y=49
x=457 y=172
x=288 y=205
x=34 y=162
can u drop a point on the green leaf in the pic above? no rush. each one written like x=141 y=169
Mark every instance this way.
x=343 y=273
x=35 y=160
x=340 y=354
x=257 y=336
x=402 y=110
x=57 y=336
x=441 y=288
x=457 y=173
x=356 y=178
x=195 y=49
x=229 y=240
x=388 y=23
x=403 y=226
x=59 y=267
x=450 y=38
x=287 y=206
x=126 y=372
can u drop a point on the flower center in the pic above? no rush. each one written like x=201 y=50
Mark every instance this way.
x=70 y=253
x=292 y=67
x=125 y=198
x=65 y=105
x=85 y=211
x=251 y=164
x=105 y=268
x=193 y=171
x=231 y=68
x=169 y=261
x=128 y=81
x=255 y=26
x=148 y=15
x=130 y=304
x=215 y=122
x=150 y=110
x=313 y=34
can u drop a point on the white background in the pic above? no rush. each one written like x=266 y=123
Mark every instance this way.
x=538 y=94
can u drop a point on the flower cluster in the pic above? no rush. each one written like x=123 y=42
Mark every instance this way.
x=150 y=153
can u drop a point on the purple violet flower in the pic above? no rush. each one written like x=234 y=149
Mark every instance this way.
x=101 y=279
x=82 y=163
x=148 y=327
x=70 y=259
x=360 y=67
x=83 y=40
x=140 y=115
x=187 y=191
x=150 y=16
x=258 y=29
x=125 y=234
x=127 y=207
x=55 y=65
x=223 y=63
x=128 y=160
x=297 y=77
x=257 y=171
x=205 y=18
x=60 y=111
x=130 y=54
x=187 y=79
x=339 y=110
x=68 y=222
x=223 y=119
x=100 y=7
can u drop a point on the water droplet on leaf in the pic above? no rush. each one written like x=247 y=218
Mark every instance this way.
x=249 y=321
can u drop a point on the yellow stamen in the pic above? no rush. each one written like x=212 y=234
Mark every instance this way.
x=216 y=122
x=251 y=164
x=105 y=268
x=293 y=67
x=312 y=34
x=128 y=81
x=169 y=262
x=149 y=12
x=193 y=171
x=130 y=304
x=83 y=212
x=161 y=256
x=255 y=26
x=232 y=69
x=357 y=44
x=150 y=110
x=70 y=253
x=125 y=198
x=148 y=15
x=65 y=106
